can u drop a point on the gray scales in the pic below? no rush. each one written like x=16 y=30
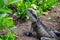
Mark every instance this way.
x=40 y=28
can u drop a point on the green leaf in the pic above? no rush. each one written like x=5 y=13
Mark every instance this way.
x=9 y=23
x=1 y=3
x=10 y=35
x=0 y=39
x=12 y=1
x=33 y=1
x=5 y=10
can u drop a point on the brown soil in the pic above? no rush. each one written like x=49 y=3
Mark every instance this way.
x=20 y=29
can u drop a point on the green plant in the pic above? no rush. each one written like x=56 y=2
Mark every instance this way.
x=6 y=22
x=9 y=36
x=46 y=4
x=40 y=5
x=21 y=9
x=22 y=5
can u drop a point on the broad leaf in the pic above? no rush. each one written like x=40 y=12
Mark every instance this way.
x=5 y=10
x=1 y=3
x=12 y=1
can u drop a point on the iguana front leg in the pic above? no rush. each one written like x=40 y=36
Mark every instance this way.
x=30 y=31
x=33 y=28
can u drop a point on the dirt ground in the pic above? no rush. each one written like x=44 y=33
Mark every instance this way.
x=20 y=29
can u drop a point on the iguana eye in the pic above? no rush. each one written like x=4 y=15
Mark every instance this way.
x=30 y=11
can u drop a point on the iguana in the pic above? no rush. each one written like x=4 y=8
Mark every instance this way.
x=39 y=27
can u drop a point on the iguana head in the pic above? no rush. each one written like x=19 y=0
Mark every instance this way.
x=32 y=14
